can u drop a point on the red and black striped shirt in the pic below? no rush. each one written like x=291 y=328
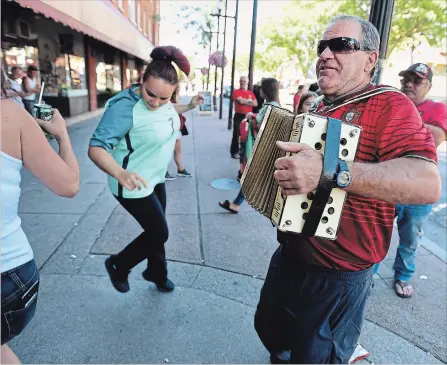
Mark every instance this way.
x=392 y=128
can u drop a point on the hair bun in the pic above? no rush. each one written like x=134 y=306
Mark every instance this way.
x=171 y=54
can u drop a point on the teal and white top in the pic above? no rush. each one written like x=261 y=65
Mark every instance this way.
x=140 y=140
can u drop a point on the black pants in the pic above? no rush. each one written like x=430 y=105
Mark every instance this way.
x=150 y=214
x=315 y=313
x=238 y=118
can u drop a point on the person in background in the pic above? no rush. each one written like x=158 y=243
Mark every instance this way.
x=270 y=92
x=306 y=102
x=416 y=83
x=133 y=143
x=244 y=101
x=259 y=98
x=15 y=91
x=24 y=144
x=32 y=87
x=181 y=171
x=296 y=99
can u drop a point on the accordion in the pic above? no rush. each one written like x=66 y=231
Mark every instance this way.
x=319 y=212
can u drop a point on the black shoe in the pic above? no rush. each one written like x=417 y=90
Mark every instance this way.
x=184 y=173
x=117 y=277
x=166 y=286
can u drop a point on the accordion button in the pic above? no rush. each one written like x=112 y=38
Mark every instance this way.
x=330 y=231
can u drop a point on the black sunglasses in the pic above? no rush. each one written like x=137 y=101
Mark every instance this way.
x=340 y=45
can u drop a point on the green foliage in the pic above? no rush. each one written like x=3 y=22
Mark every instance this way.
x=413 y=21
x=199 y=21
x=295 y=35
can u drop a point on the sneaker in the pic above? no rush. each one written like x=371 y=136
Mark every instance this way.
x=169 y=177
x=166 y=286
x=119 y=278
x=184 y=173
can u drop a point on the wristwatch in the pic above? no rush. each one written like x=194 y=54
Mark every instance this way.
x=343 y=176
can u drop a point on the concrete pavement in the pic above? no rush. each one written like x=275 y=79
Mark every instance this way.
x=217 y=260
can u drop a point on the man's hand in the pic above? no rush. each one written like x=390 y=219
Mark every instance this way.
x=299 y=173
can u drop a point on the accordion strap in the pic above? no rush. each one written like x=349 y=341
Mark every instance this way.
x=327 y=182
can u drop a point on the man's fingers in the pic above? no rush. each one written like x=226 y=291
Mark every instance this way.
x=289 y=192
x=292 y=146
x=281 y=175
x=282 y=163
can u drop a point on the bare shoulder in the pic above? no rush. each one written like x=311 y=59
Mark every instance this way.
x=13 y=119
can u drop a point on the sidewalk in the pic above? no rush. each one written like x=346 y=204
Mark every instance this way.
x=217 y=260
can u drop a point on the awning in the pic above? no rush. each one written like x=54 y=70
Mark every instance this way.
x=99 y=19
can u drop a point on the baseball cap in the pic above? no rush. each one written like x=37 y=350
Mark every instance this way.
x=420 y=69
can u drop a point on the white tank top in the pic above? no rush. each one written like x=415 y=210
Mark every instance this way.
x=15 y=248
x=32 y=83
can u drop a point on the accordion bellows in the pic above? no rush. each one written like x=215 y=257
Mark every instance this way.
x=261 y=189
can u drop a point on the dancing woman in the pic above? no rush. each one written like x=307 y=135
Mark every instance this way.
x=133 y=144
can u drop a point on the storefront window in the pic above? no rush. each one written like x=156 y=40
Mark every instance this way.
x=67 y=72
x=108 y=77
x=20 y=57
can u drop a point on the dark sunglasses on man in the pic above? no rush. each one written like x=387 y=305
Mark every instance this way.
x=413 y=79
x=340 y=45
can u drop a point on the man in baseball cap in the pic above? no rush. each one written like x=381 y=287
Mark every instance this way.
x=416 y=83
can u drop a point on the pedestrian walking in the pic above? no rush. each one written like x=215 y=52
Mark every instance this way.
x=31 y=87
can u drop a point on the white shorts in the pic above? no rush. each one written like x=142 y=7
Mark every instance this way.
x=179 y=135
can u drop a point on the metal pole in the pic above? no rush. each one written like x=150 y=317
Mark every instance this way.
x=381 y=16
x=253 y=44
x=223 y=68
x=233 y=67
x=215 y=68
x=209 y=65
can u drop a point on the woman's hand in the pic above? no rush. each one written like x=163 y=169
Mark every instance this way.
x=131 y=180
x=196 y=101
x=56 y=126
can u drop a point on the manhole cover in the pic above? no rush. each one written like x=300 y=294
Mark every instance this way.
x=226 y=184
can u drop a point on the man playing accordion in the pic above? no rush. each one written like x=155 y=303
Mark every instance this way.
x=312 y=304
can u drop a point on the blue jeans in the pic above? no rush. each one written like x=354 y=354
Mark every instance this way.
x=410 y=219
x=20 y=287
x=240 y=198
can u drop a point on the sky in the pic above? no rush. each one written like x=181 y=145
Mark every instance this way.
x=170 y=24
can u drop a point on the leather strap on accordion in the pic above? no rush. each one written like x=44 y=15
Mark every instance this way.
x=327 y=182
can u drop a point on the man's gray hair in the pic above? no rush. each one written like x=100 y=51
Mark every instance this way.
x=370 y=35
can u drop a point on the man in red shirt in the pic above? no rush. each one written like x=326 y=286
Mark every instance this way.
x=312 y=304
x=244 y=101
x=296 y=99
x=416 y=83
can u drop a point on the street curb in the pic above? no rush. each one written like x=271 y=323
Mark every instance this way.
x=434 y=249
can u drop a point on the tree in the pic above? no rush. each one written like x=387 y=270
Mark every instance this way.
x=413 y=21
x=199 y=21
x=296 y=37
x=293 y=37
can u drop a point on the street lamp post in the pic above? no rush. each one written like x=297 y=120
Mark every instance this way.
x=223 y=63
x=219 y=10
x=252 y=45
x=233 y=67
x=381 y=16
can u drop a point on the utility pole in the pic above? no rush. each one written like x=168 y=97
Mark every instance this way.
x=252 y=45
x=219 y=10
x=381 y=16
x=223 y=68
x=233 y=67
